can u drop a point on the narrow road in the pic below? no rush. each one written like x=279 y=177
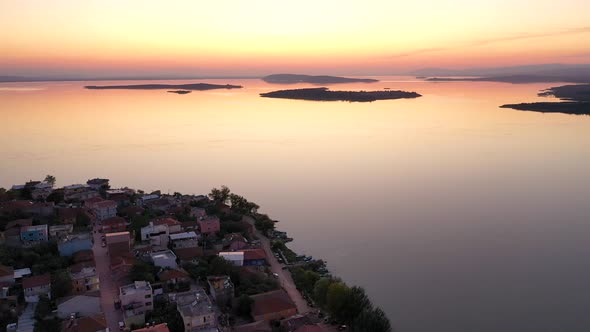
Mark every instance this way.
x=284 y=275
x=109 y=291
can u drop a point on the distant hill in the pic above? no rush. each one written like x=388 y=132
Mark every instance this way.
x=322 y=79
x=554 y=69
x=193 y=86
x=574 y=78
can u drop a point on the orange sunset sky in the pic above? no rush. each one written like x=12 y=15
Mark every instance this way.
x=239 y=37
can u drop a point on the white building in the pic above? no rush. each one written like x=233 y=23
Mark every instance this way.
x=164 y=259
x=156 y=235
x=236 y=257
x=136 y=300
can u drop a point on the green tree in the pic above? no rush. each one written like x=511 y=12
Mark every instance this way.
x=220 y=195
x=371 y=320
x=356 y=302
x=142 y=271
x=264 y=224
x=320 y=291
x=50 y=179
x=245 y=305
x=82 y=220
x=61 y=284
x=338 y=295
x=43 y=308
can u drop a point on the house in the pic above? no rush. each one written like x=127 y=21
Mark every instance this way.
x=209 y=225
x=260 y=326
x=273 y=305
x=155 y=234
x=105 y=209
x=6 y=274
x=41 y=190
x=79 y=192
x=84 y=277
x=197 y=212
x=254 y=257
x=84 y=305
x=196 y=310
x=19 y=274
x=98 y=184
x=221 y=289
x=118 y=243
x=164 y=259
x=174 y=226
x=188 y=226
x=173 y=277
x=95 y=323
x=41 y=209
x=236 y=257
x=71 y=244
x=184 y=240
x=160 y=204
x=145 y=199
x=35 y=286
x=113 y=225
x=31 y=235
x=234 y=242
x=19 y=223
x=83 y=256
x=188 y=255
x=70 y=215
x=121 y=196
x=60 y=231
x=136 y=300
x=155 y=328
x=296 y=322
x=132 y=210
x=121 y=265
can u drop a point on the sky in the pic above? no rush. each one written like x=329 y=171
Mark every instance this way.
x=257 y=37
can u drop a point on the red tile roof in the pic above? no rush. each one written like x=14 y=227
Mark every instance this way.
x=105 y=204
x=6 y=271
x=19 y=223
x=93 y=200
x=113 y=221
x=271 y=302
x=157 y=328
x=172 y=274
x=167 y=221
x=310 y=328
x=83 y=256
x=254 y=254
x=79 y=266
x=36 y=281
x=188 y=253
x=85 y=324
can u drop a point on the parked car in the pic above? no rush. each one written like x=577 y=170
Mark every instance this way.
x=103 y=244
x=276 y=275
x=121 y=326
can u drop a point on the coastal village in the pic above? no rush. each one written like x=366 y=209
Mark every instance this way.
x=87 y=257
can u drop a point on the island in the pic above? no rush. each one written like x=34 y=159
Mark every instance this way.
x=322 y=79
x=576 y=101
x=180 y=92
x=190 y=86
x=323 y=94
x=210 y=261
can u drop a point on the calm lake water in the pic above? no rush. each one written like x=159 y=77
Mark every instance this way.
x=454 y=214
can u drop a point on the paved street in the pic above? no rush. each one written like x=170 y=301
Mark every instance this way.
x=108 y=289
x=284 y=275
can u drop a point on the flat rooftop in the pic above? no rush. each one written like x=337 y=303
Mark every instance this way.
x=165 y=254
x=182 y=236
x=194 y=303
x=138 y=286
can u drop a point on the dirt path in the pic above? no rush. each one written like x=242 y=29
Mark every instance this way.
x=284 y=276
x=108 y=289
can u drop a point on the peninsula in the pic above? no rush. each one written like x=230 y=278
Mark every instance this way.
x=323 y=79
x=516 y=79
x=191 y=86
x=323 y=94
x=576 y=101
x=211 y=261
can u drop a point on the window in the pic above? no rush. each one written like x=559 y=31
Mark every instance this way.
x=148 y=296
x=148 y=303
